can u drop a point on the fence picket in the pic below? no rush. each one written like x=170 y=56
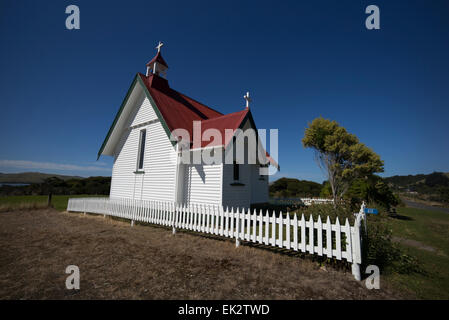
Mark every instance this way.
x=348 y=241
x=241 y=225
x=248 y=225
x=328 y=238
x=338 y=239
x=311 y=234
x=226 y=214
x=267 y=228
x=319 y=227
x=231 y=228
x=206 y=219
x=303 y=233
x=254 y=226
x=287 y=233
x=295 y=232
x=273 y=229
x=281 y=230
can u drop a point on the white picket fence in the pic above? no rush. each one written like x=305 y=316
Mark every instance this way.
x=333 y=240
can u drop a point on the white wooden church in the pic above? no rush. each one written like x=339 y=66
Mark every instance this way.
x=146 y=161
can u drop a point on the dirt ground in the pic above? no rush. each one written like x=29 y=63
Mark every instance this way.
x=117 y=261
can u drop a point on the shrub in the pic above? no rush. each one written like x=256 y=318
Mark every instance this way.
x=380 y=250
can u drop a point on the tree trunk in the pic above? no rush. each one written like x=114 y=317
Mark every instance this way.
x=334 y=192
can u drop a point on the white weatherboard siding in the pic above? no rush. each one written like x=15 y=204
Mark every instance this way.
x=144 y=113
x=122 y=182
x=158 y=181
x=202 y=184
x=236 y=196
x=159 y=165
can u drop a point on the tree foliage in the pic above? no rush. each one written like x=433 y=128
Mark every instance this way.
x=57 y=186
x=340 y=154
x=292 y=188
x=372 y=189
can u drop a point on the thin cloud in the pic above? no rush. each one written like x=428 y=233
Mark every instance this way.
x=23 y=164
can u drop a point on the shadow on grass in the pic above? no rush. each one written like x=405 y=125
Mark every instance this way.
x=401 y=217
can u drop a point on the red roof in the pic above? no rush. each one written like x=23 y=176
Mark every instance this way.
x=158 y=58
x=180 y=111
x=221 y=123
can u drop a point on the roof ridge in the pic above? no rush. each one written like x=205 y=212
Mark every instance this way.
x=197 y=101
x=225 y=115
x=183 y=95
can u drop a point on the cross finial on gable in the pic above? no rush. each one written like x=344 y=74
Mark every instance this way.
x=159 y=46
x=248 y=99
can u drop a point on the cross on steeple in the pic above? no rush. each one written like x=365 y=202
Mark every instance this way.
x=157 y=65
x=248 y=99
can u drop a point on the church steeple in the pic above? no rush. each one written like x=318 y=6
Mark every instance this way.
x=157 y=65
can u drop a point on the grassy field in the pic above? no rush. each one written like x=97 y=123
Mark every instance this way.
x=421 y=233
x=425 y=235
x=58 y=202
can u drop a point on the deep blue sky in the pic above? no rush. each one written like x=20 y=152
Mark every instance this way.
x=60 y=89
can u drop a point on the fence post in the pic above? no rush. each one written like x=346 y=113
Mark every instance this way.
x=357 y=242
x=49 y=200
x=357 y=257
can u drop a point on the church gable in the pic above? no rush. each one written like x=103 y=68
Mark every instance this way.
x=143 y=112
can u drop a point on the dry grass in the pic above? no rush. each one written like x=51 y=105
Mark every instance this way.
x=117 y=261
x=22 y=206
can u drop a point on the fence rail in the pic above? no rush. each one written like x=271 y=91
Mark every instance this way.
x=333 y=240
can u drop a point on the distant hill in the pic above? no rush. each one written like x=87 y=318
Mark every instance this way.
x=413 y=181
x=43 y=184
x=293 y=188
x=31 y=177
x=433 y=186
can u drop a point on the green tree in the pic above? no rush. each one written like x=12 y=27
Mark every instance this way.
x=340 y=155
x=326 y=191
x=372 y=189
